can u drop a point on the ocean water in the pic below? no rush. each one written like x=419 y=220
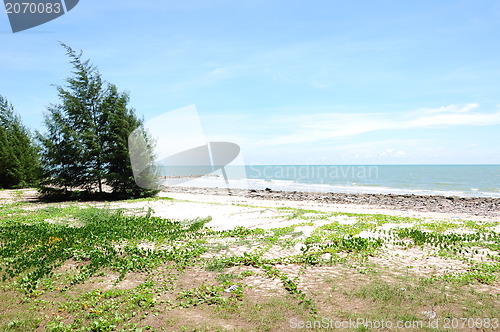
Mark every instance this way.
x=448 y=180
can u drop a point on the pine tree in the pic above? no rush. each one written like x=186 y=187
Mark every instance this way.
x=19 y=161
x=61 y=153
x=73 y=147
x=86 y=141
x=122 y=121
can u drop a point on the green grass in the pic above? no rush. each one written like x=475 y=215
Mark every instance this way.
x=104 y=239
x=72 y=267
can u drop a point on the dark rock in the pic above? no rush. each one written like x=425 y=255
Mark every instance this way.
x=478 y=206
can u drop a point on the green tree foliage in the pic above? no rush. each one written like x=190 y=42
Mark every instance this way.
x=19 y=162
x=85 y=145
x=121 y=123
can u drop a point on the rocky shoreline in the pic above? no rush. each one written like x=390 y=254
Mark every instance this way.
x=476 y=206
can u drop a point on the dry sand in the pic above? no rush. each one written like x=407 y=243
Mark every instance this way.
x=228 y=211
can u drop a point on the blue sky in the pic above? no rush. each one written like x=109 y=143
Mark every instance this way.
x=292 y=82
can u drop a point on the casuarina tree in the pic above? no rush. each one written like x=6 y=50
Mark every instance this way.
x=19 y=161
x=84 y=145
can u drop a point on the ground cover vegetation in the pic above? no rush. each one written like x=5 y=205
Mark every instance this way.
x=76 y=267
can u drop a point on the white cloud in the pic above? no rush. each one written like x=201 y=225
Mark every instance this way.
x=450 y=109
x=318 y=127
x=392 y=153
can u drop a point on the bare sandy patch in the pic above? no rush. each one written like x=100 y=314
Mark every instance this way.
x=231 y=204
x=418 y=261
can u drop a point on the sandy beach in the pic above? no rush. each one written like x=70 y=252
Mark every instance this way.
x=257 y=208
x=229 y=208
x=304 y=253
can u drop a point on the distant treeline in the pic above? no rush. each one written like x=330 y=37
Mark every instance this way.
x=84 y=147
